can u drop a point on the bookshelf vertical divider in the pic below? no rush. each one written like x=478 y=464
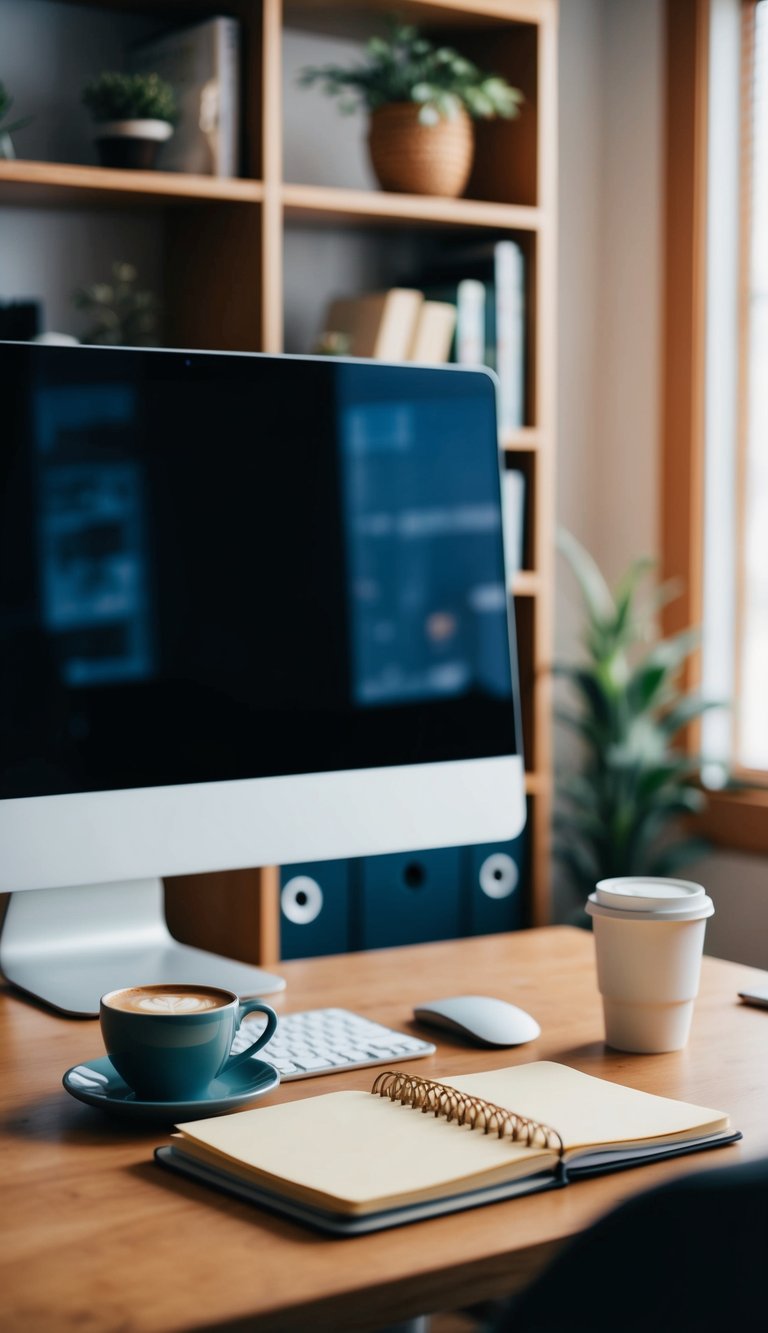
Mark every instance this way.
x=226 y=286
x=543 y=555
x=272 y=167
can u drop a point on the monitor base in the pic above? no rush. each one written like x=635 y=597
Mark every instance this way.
x=68 y=947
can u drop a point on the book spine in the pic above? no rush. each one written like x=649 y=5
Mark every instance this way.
x=433 y=334
x=226 y=154
x=490 y=358
x=470 y=322
x=513 y=512
x=510 y=333
x=398 y=324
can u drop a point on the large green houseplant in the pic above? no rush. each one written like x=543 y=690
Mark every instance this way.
x=621 y=807
x=421 y=99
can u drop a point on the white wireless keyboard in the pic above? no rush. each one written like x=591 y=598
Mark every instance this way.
x=322 y=1041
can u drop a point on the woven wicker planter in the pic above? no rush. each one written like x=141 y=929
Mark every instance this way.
x=420 y=159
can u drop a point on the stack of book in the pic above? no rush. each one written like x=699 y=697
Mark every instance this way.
x=486 y=283
x=394 y=325
x=468 y=307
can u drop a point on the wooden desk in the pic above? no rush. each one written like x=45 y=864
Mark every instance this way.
x=96 y=1236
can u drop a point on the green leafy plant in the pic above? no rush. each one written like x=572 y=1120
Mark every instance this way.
x=621 y=812
x=115 y=96
x=6 y=102
x=405 y=66
x=332 y=344
x=122 y=315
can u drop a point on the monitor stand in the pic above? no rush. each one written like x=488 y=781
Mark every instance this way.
x=68 y=947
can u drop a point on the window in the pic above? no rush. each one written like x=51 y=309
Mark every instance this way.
x=751 y=720
x=714 y=502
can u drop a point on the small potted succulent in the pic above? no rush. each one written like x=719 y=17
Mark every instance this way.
x=134 y=115
x=422 y=100
x=6 y=128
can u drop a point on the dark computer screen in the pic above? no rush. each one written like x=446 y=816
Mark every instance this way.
x=216 y=566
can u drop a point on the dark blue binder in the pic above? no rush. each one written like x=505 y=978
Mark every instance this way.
x=495 y=877
x=409 y=898
x=315 y=909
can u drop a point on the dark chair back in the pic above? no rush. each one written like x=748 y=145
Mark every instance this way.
x=690 y=1256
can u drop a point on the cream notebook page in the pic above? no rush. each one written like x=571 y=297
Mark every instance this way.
x=589 y=1112
x=361 y=1151
x=354 y=1148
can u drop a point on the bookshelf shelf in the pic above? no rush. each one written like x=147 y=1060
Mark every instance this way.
x=57 y=184
x=333 y=16
x=249 y=263
x=527 y=440
x=322 y=204
x=526 y=583
x=536 y=784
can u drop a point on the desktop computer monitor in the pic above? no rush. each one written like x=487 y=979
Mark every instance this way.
x=252 y=611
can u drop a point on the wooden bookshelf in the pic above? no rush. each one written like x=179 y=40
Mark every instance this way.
x=524 y=441
x=321 y=204
x=526 y=583
x=227 y=284
x=59 y=184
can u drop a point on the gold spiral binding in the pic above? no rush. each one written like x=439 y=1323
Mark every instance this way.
x=423 y=1094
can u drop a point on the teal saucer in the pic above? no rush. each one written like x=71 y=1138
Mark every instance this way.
x=97 y=1083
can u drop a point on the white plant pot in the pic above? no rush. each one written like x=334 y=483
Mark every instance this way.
x=131 y=143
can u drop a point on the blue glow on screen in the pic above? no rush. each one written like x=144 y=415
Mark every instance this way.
x=426 y=590
x=91 y=534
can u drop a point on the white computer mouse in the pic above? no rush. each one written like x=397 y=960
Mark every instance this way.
x=480 y=1018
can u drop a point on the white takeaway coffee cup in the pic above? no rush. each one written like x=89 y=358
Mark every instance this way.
x=649 y=939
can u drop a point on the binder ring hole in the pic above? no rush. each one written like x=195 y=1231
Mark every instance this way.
x=499 y=875
x=301 y=900
x=413 y=875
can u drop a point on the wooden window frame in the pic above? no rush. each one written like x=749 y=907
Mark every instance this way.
x=736 y=819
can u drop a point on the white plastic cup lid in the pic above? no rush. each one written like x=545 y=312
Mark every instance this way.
x=648 y=893
x=651 y=897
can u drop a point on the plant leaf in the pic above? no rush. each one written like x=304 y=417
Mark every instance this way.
x=578 y=789
x=658 y=669
x=627 y=627
x=659 y=775
x=686 y=711
x=585 y=824
x=594 y=589
x=578 y=861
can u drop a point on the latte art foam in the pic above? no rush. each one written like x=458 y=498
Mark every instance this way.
x=174 y=1004
x=159 y=1000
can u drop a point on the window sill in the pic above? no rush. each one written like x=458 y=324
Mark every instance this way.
x=738 y=820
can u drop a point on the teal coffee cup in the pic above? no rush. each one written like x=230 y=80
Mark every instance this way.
x=170 y=1041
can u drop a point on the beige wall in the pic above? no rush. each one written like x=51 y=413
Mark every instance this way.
x=610 y=257
x=610 y=265
x=609 y=294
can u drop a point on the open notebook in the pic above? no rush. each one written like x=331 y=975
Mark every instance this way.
x=351 y=1162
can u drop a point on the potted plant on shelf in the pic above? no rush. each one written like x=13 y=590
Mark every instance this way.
x=134 y=115
x=6 y=129
x=123 y=315
x=422 y=100
x=619 y=809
